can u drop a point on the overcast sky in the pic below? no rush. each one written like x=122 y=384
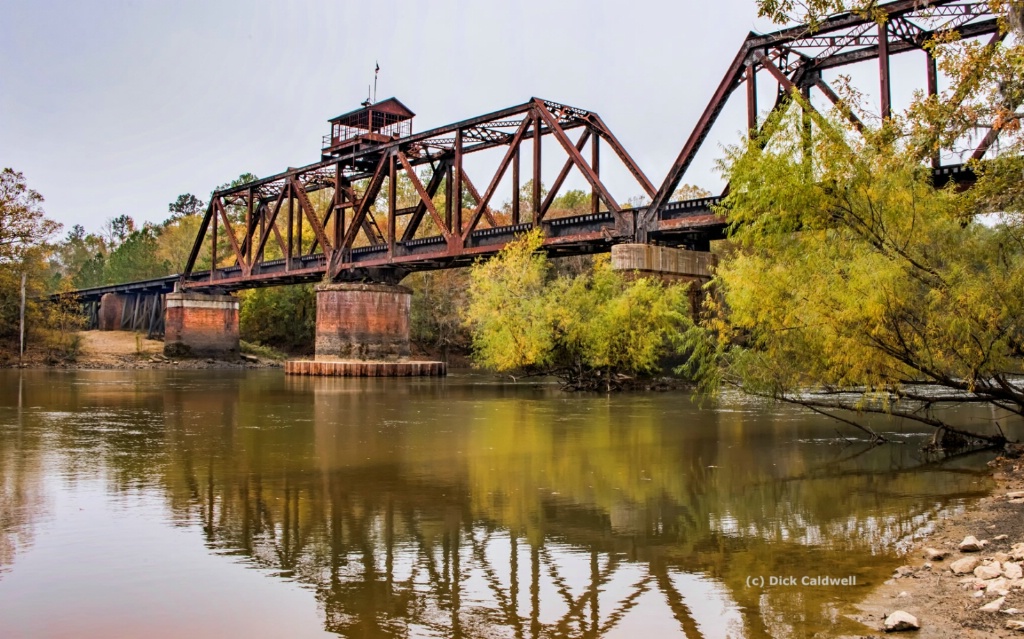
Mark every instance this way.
x=118 y=106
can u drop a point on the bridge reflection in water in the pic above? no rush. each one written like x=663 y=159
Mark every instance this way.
x=466 y=508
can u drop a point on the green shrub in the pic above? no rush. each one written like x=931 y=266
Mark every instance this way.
x=593 y=330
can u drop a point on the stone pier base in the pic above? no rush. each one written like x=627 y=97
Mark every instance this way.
x=111 y=310
x=201 y=325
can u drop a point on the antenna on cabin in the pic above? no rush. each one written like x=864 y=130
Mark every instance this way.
x=376 y=72
x=366 y=102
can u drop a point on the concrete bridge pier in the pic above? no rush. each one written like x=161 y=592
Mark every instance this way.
x=200 y=325
x=668 y=264
x=362 y=321
x=362 y=330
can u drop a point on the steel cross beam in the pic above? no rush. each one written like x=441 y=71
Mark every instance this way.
x=800 y=54
x=327 y=217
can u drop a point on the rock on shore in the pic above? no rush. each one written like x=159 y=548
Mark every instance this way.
x=900 y=621
x=978 y=589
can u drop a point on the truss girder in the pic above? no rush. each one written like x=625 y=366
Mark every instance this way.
x=795 y=58
x=334 y=217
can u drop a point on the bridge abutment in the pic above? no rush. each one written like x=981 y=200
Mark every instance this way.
x=668 y=264
x=199 y=324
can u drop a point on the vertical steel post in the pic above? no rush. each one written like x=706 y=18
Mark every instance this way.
x=263 y=230
x=595 y=164
x=456 y=227
x=339 y=197
x=291 y=228
x=752 y=99
x=515 y=186
x=933 y=89
x=449 y=202
x=213 y=250
x=536 y=169
x=298 y=222
x=392 y=198
x=883 y=70
x=249 y=226
x=933 y=74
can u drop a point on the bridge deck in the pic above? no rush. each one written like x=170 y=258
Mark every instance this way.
x=679 y=222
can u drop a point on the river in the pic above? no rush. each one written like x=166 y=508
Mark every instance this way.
x=226 y=504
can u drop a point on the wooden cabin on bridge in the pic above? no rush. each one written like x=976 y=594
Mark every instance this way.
x=369 y=126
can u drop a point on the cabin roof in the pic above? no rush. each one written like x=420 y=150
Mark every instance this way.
x=391 y=105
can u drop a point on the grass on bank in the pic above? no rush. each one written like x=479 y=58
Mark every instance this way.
x=259 y=350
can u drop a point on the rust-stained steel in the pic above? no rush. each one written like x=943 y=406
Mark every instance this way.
x=795 y=57
x=358 y=228
x=361 y=228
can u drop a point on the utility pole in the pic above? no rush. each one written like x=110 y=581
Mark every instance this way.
x=21 y=352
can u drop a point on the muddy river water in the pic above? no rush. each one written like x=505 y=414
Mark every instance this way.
x=228 y=504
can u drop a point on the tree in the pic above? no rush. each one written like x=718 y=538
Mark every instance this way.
x=242 y=179
x=571 y=202
x=185 y=206
x=282 y=317
x=438 y=302
x=175 y=240
x=116 y=230
x=689 y=192
x=857 y=286
x=593 y=331
x=23 y=225
x=80 y=258
x=136 y=258
x=813 y=12
x=24 y=231
x=63 y=318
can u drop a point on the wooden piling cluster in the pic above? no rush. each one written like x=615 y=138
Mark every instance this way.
x=354 y=368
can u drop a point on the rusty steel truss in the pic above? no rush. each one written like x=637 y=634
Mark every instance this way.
x=343 y=219
x=795 y=58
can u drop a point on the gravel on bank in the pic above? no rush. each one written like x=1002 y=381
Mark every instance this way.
x=957 y=587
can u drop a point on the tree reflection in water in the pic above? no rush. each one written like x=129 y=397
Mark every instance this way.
x=22 y=499
x=424 y=508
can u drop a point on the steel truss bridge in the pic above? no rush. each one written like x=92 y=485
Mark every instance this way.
x=342 y=218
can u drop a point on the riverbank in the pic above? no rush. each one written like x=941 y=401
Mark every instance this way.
x=123 y=350
x=947 y=603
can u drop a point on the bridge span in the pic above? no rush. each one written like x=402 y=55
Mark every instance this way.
x=384 y=201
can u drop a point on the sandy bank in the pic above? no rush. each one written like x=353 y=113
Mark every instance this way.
x=947 y=604
x=122 y=350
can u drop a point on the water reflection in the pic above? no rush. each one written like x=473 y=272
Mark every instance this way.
x=462 y=508
x=22 y=498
